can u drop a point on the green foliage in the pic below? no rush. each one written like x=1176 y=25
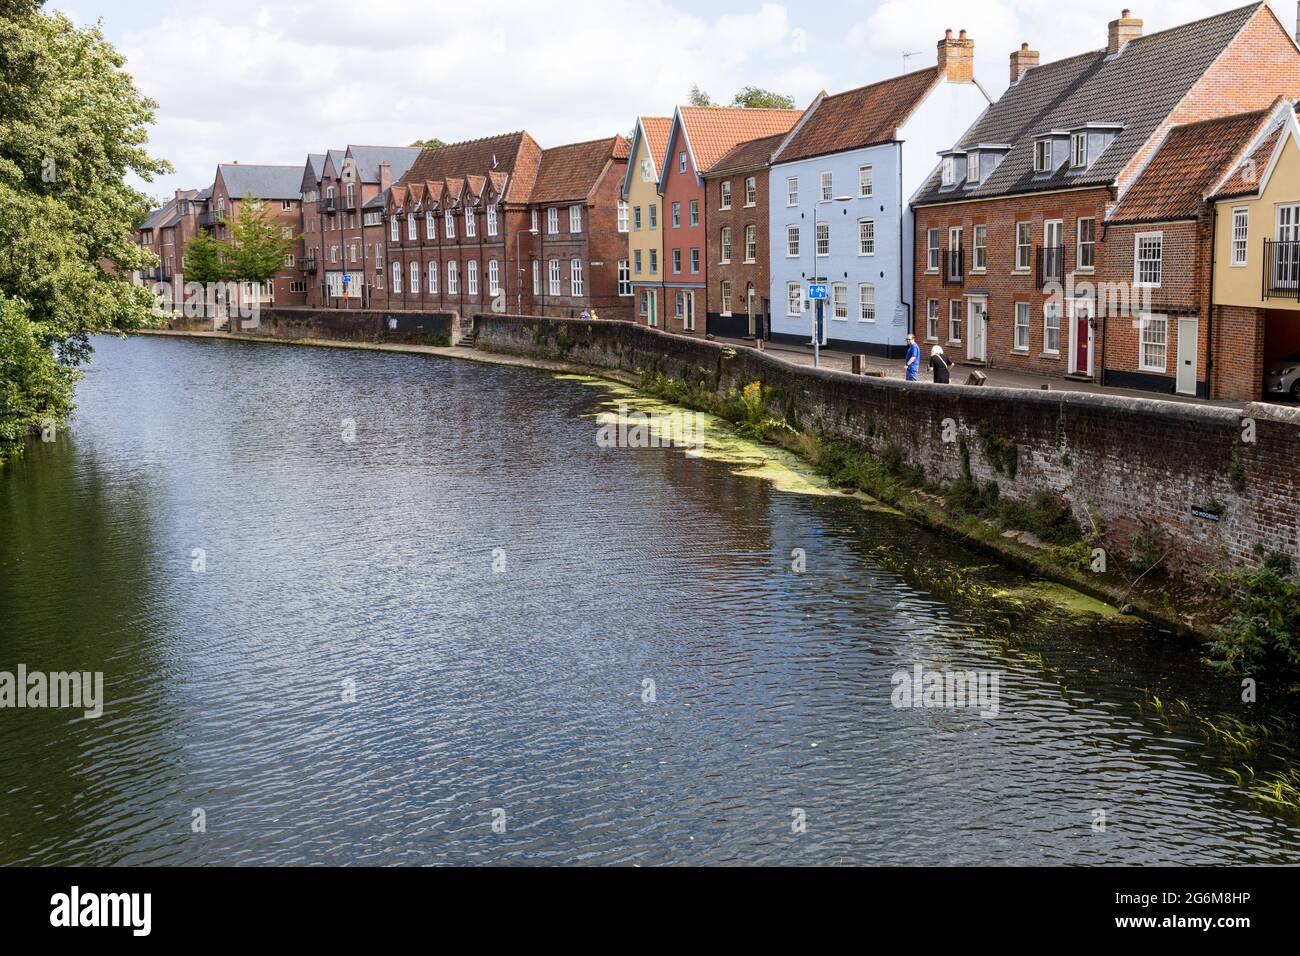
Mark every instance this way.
x=72 y=127
x=697 y=97
x=205 y=259
x=1046 y=516
x=1002 y=453
x=753 y=97
x=1237 y=476
x=1077 y=555
x=1150 y=545
x=258 y=243
x=1261 y=635
x=431 y=143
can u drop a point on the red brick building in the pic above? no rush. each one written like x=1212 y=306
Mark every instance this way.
x=1017 y=262
x=735 y=189
x=281 y=188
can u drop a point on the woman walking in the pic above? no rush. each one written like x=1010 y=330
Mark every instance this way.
x=939 y=365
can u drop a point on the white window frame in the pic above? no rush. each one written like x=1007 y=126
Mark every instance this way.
x=453 y=277
x=827 y=185
x=449 y=224
x=866 y=302
x=840 y=301
x=955 y=321
x=471 y=277
x=1021 y=310
x=394 y=230
x=693 y=211
x=575 y=278
x=397 y=277
x=948 y=170
x=979 y=254
x=494 y=277
x=471 y=227
x=751 y=192
x=1042 y=155
x=724 y=242
x=1146 y=322
x=410 y=226
x=792 y=190
x=866 y=184
x=932 y=320
x=553 y=221
x=751 y=243
x=1080 y=245
x=792 y=242
x=433 y=277
x=724 y=194
x=491 y=220
x=1079 y=150
x=1025 y=230
x=818 y=238
x=415 y=277
x=1138 y=262
x=624 y=279
x=1240 y=237
x=537 y=277
x=553 y=277
x=972 y=168
x=1052 y=310
x=637 y=260
x=623 y=216
x=724 y=288
x=429 y=225
x=575 y=220
x=866 y=237
x=933 y=250
x=793 y=298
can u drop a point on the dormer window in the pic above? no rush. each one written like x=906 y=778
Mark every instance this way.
x=949 y=167
x=972 y=168
x=1079 y=150
x=1043 y=156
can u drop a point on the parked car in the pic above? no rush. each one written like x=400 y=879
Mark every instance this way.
x=1282 y=377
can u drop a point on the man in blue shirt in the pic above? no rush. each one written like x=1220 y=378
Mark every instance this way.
x=913 y=358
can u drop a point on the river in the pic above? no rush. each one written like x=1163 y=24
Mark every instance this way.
x=376 y=608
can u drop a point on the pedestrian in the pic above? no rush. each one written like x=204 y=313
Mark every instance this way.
x=939 y=365
x=913 y=359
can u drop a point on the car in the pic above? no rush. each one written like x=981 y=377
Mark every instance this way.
x=1282 y=377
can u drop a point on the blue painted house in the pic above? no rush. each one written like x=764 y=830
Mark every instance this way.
x=839 y=192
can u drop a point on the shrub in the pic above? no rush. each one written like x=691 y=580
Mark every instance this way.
x=1262 y=633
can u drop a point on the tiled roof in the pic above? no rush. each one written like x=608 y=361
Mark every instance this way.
x=656 y=130
x=1137 y=88
x=368 y=158
x=479 y=157
x=713 y=130
x=264 y=182
x=747 y=155
x=1245 y=178
x=857 y=118
x=569 y=173
x=1191 y=159
x=315 y=165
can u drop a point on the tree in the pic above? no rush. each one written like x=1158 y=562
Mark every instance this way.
x=72 y=126
x=258 y=243
x=433 y=143
x=698 y=97
x=753 y=97
x=205 y=259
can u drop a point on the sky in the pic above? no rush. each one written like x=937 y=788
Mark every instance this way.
x=270 y=81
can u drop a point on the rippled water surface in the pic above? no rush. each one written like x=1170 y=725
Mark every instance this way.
x=369 y=564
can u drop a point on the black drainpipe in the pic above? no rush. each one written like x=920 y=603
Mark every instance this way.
x=1209 y=305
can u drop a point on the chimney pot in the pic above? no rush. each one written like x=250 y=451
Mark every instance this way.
x=1120 y=32
x=1022 y=61
x=957 y=58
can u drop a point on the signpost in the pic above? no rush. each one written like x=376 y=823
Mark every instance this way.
x=817 y=294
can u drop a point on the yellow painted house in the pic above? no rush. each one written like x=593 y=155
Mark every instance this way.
x=1256 y=243
x=645 y=210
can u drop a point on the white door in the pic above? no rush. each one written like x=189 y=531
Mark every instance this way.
x=688 y=320
x=976 y=322
x=1188 y=330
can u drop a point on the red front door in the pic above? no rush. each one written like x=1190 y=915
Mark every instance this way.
x=1081 y=343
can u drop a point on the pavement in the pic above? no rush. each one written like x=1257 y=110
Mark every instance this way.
x=1001 y=378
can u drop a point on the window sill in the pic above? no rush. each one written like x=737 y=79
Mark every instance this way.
x=1049 y=355
x=1085 y=270
x=1154 y=371
x=1020 y=351
x=954 y=341
x=1021 y=272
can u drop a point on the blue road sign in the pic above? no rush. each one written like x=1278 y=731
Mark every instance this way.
x=817 y=290
x=346 y=278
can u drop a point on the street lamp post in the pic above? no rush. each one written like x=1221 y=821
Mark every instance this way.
x=821 y=303
x=519 y=274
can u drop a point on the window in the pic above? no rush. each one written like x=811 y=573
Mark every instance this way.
x=948 y=170
x=1043 y=156
x=636 y=260
x=410 y=225
x=393 y=228
x=956 y=259
x=494 y=276
x=537 y=277
x=553 y=276
x=1155 y=343
x=866 y=302
x=726 y=296
x=532 y=215
x=751 y=191
x=1148 y=247
x=1240 y=235
x=678 y=305
x=1020 y=342
x=695 y=212
x=725 y=191
x=932 y=320
x=397 y=277
x=288 y=260
x=1079 y=149
x=622 y=216
x=864 y=182
x=980 y=260
x=297 y=286
x=334 y=253
x=553 y=221
x=645 y=170
x=972 y=168
x=654 y=262
x=415 y=278
x=453 y=278
x=624 y=279
x=470 y=228
x=695 y=260
x=492 y=221
x=677 y=260
x=751 y=243
x=1024 y=245
x=823 y=239
x=677 y=215
x=726 y=245
x=681 y=162
x=575 y=219
x=794 y=298
x=654 y=215
x=644 y=302
x=866 y=237
x=828 y=186
x=471 y=277
x=288 y=203
x=792 y=242
x=1087 y=256
x=575 y=277
x=636 y=218
x=839 y=301
x=932 y=250
x=433 y=277
x=428 y=224
x=792 y=191
x=1052 y=328
x=954 y=320
x=449 y=224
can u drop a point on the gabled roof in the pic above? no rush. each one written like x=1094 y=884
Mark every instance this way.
x=857 y=118
x=264 y=182
x=569 y=173
x=751 y=154
x=1190 y=160
x=654 y=131
x=367 y=159
x=1251 y=173
x=509 y=153
x=1137 y=88
x=713 y=130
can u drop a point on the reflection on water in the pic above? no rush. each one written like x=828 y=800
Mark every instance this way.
x=366 y=567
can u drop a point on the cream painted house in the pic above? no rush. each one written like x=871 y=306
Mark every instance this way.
x=645 y=217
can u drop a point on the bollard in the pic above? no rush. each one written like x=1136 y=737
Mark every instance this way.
x=977 y=378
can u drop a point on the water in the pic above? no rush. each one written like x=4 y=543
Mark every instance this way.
x=369 y=565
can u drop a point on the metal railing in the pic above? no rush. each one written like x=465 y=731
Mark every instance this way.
x=1049 y=265
x=954 y=266
x=1281 y=269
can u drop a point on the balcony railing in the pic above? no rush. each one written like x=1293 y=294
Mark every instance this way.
x=1049 y=266
x=327 y=204
x=954 y=266
x=349 y=202
x=1281 y=269
x=208 y=219
x=309 y=264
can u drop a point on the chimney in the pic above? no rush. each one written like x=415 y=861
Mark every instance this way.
x=385 y=176
x=957 y=58
x=1120 y=31
x=1022 y=61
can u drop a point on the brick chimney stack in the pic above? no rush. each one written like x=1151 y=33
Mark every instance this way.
x=1120 y=31
x=385 y=176
x=1022 y=61
x=957 y=57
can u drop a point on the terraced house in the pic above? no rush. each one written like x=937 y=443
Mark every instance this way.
x=166 y=232
x=1027 y=255
x=281 y=188
x=640 y=195
x=839 y=190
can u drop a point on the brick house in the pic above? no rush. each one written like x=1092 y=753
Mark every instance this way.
x=341 y=236
x=646 y=234
x=166 y=232
x=582 y=224
x=735 y=193
x=698 y=138
x=281 y=188
x=1016 y=265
